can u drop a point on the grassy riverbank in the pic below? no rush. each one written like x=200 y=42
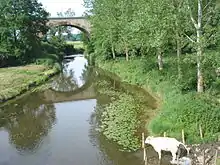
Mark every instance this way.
x=178 y=110
x=121 y=110
x=21 y=77
x=77 y=44
x=15 y=81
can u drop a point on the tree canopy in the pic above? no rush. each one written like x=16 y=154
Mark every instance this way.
x=155 y=27
x=21 y=22
x=170 y=47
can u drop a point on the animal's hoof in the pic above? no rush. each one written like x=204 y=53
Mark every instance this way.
x=173 y=162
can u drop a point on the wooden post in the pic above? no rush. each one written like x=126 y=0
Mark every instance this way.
x=216 y=157
x=145 y=163
x=143 y=146
x=200 y=131
x=142 y=140
x=203 y=161
x=114 y=84
x=165 y=134
x=183 y=136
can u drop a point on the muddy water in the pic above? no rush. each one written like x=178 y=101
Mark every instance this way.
x=58 y=126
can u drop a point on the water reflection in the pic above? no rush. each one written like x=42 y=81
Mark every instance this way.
x=28 y=122
x=59 y=125
x=73 y=75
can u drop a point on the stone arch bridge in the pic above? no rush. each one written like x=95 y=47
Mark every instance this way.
x=80 y=23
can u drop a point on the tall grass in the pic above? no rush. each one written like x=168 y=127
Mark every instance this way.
x=181 y=107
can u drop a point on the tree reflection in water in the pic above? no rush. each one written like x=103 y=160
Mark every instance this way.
x=66 y=81
x=28 y=122
x=85 y=76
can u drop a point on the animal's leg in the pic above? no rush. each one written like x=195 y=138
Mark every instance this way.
x=174 y=156
x=159 y=154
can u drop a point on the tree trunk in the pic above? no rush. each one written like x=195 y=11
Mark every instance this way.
x=113 y=52
x=199 y=64
x=178 y=46
x=15 y=36
x=200 y=85
x=178 y=51
x=59 y=32
x=126 y=53
x=160 y=59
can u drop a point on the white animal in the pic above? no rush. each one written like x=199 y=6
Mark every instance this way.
x=165 y=144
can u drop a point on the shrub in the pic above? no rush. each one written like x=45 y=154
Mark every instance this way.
x=177 y=111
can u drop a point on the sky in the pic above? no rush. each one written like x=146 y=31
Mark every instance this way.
x=54 y=6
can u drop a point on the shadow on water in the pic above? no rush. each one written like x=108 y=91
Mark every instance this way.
x=59 y=125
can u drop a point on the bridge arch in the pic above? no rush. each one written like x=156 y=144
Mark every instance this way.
x=80 y=23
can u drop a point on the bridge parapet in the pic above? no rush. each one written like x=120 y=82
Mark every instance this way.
x=80 y=23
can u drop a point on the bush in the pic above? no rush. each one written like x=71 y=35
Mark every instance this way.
x=49 y=48
x=187 y=112
x=51 y=60
x=177 y=111
x=68 y=49
x=45 y=61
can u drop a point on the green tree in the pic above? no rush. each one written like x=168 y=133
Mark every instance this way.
x=21 y=23
x=61 y=29
x=154 y=27
x=65 y=29
x=201 y=16
x=68 y=13
x=180 y=27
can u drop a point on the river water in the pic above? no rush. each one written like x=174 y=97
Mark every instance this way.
x=58 y=126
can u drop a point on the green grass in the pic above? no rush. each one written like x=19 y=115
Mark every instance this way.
x=177 y=110
x=218 y=161
x=16 y=80
x=77 y=44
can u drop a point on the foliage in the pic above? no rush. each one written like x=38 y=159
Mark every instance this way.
x=21 y=22
x=68 y=13
x=25 y=135
x=179 y=37
x=177 y=111
x=148 y=28
x=119 y=111
x=120 y=122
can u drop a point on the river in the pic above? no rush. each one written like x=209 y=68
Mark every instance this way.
x=58 y=126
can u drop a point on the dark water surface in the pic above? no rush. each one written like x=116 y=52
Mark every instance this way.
x=58 y=126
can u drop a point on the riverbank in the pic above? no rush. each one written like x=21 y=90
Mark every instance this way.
x=177 y=111
x=14 y=81
x=123 y=116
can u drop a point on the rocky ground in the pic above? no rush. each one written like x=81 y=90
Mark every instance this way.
x=205 y=154
x=196 y=155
